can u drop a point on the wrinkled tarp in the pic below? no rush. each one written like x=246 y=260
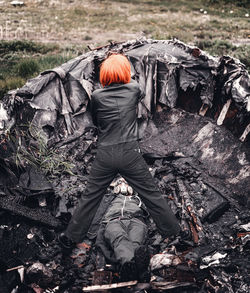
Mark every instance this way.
x=60 y=96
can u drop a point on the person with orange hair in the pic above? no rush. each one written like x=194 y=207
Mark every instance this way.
x=114 y=112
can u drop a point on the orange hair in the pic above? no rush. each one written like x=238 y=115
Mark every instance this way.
x=115 y=69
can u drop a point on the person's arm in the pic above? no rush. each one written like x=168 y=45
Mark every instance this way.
x=93 y=110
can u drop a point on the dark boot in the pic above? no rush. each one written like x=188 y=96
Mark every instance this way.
x=65 y=242
x=128 y=271
x=145 y=276
x=142 y=259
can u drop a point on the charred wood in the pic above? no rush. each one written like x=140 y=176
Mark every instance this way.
x=42 y=217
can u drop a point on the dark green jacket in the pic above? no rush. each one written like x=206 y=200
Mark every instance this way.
x=114 y=110
x=112 y=207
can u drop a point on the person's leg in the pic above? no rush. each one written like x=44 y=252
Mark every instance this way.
x=116 y=234
x=101 y=175
x=135 y=171
x=138 y=235
x=137 y=232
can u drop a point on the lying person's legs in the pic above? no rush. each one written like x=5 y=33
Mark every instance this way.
x=117 y=237
x=137 y=232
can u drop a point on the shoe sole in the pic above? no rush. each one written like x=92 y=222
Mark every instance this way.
x=142 y=258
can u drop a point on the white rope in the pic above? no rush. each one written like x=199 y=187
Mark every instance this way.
x=123 y=206
x=140 y=202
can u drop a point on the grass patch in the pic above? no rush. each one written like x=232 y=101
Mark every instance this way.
x=15 y=73
x=92 y=22
x=27 y=68
x=243 y=54
x=172 y=5
x=79 y=11
x=22 y=60
x=222 y=47
x=10 y=83
x=240 y=3
x=51 y=61
x=25 y=46
x=216 y=47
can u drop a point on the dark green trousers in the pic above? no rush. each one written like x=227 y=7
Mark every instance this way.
x=124 y=236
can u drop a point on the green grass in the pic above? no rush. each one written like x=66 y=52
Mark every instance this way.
x=93 y=21
x=27 y=68
x=49 y=160
x=10 y=83
x=25 y=46
x=22 y=60
x=219 y=47
x=240 y=3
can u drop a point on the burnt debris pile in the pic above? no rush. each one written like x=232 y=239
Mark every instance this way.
x=194 y=124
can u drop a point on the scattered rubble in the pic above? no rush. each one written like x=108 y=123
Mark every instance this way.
x=193 y=116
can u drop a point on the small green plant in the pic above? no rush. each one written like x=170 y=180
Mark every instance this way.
x=49 y=160
x=79 y=11
x=87 y=38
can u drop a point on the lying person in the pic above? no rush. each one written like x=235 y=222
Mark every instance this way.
x=123 y=234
